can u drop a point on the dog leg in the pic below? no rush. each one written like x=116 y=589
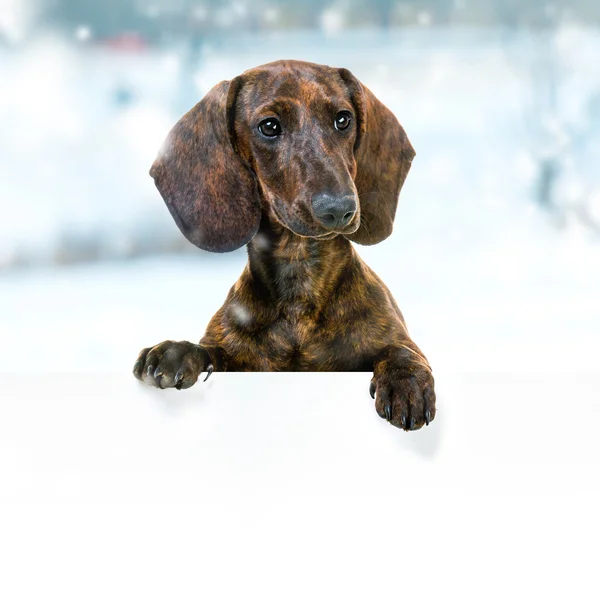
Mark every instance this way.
x=173 y=364
x=403 y=387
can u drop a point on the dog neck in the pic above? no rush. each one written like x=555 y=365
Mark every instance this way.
x=288 y=268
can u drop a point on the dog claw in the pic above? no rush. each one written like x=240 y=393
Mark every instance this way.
x=403 y=421
x=136 y=366
x=412 y=423
x=372 y=388
x=178 y=379
x=427 y=417
x=388 y=411
x=149 y=370
x=209 y=371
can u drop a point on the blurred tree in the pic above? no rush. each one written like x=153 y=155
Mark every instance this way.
x=157 y=18
x=558 y=145
x=104 y=18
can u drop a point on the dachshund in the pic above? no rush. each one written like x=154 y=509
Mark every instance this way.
x=295 y=160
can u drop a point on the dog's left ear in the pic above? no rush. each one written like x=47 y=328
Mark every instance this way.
x=208 y=188
x=383 y=157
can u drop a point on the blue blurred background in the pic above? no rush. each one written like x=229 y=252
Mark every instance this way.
x=495 y=258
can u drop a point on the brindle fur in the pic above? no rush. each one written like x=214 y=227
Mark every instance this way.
x=305 y=301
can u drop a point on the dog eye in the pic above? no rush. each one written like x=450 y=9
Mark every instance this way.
x=270 y=127
x=342 y=120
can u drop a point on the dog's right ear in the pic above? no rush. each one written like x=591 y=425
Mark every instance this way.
x=210 y=191
x=383 y=157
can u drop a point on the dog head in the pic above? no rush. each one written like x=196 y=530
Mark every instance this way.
x=308 y=145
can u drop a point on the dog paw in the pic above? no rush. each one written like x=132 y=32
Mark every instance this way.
x=172 y=365
x=404 y=395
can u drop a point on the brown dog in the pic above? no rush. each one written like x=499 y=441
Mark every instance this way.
x=295 y=160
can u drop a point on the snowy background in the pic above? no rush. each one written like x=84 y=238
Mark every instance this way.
x=502 y=209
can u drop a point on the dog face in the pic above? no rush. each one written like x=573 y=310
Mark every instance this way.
x=307 y=145
x=296 y=125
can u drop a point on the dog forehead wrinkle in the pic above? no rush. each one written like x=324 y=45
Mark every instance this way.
x=291 y=70
x=295 y=80
x=289 y=87
x=329 y=104
x=282 y=107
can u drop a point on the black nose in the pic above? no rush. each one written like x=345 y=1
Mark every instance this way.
x=333 y=212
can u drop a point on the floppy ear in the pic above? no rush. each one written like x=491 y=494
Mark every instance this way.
x=210 y=192
x=383 y=157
